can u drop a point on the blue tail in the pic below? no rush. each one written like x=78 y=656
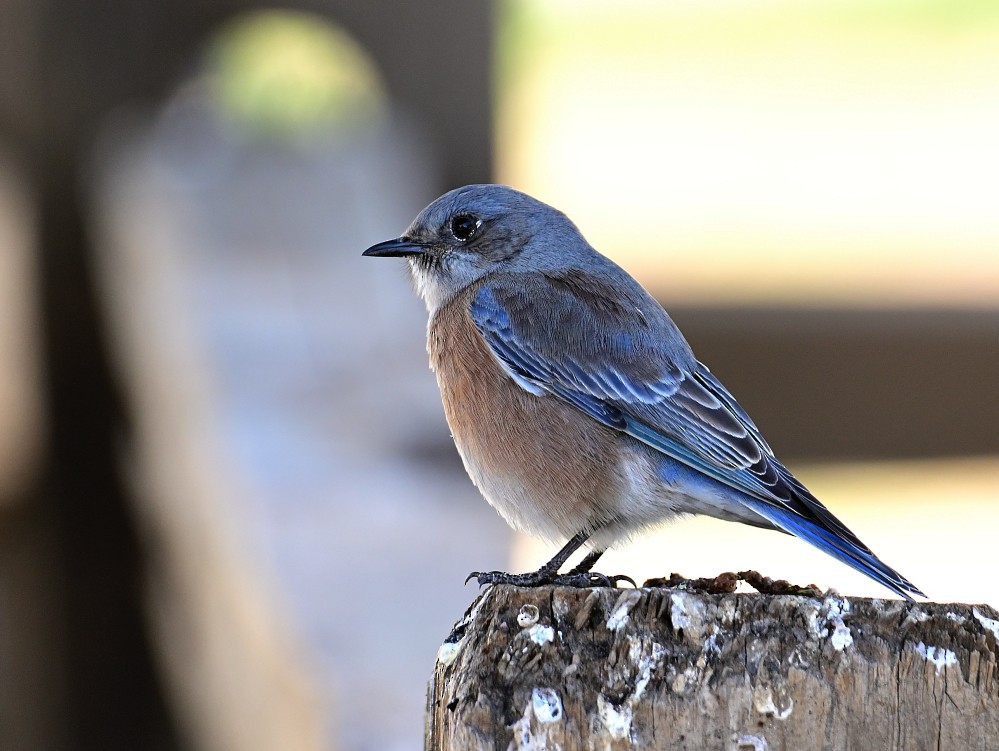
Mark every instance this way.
x=851 y=552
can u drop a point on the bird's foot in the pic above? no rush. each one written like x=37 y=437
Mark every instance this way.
x=583 y=579
x=541 y=577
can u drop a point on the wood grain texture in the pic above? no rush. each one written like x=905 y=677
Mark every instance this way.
x=557 y=668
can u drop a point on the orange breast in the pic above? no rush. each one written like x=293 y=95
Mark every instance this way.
x=520 y=448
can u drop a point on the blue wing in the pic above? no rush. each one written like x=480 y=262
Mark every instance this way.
x=616 y=356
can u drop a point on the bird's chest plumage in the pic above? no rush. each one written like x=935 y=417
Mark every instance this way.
x=545 y=467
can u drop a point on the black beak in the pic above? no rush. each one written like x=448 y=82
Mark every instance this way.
x=399 y=247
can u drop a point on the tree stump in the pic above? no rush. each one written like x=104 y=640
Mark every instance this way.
x=560 y=668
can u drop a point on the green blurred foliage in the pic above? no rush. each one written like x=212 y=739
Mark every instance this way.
x=287 y=74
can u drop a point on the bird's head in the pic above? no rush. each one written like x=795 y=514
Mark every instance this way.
x=476 y=230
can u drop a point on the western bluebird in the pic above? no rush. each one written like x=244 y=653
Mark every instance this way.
x=577 y=406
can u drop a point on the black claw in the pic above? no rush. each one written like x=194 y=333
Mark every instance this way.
x=623 y=578
x=603 y=580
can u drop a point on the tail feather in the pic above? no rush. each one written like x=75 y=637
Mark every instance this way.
x=856 y=556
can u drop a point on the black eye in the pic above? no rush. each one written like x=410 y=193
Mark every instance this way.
x=463 y=226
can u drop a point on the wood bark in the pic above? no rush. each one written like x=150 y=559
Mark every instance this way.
x=559 y=668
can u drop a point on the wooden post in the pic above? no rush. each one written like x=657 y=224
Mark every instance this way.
x=558 y=668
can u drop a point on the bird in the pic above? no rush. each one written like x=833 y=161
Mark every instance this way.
x=578 y=408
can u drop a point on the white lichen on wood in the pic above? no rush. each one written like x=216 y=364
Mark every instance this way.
x=541 y=634
x=940 y=657
x=619 y=617
x=990 y=623
x=448 y=652
x=667 y=669
x=751 y=742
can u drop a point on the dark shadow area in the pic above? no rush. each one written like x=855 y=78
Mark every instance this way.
x=113 y=697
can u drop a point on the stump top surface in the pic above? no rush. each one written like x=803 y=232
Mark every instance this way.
x=665 y=668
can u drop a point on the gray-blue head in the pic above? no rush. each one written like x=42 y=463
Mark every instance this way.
x=472 y=231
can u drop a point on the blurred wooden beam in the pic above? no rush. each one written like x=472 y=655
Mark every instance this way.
x=847 y=384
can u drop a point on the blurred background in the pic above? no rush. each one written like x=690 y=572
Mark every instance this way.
x=231 y=516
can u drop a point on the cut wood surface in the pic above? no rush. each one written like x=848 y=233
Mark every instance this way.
x=560 y=668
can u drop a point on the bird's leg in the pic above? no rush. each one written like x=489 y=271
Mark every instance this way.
x=580 y=576
x=587 y=563
x=544 y=575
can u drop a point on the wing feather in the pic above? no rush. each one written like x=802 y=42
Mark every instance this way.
x=653 y=390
